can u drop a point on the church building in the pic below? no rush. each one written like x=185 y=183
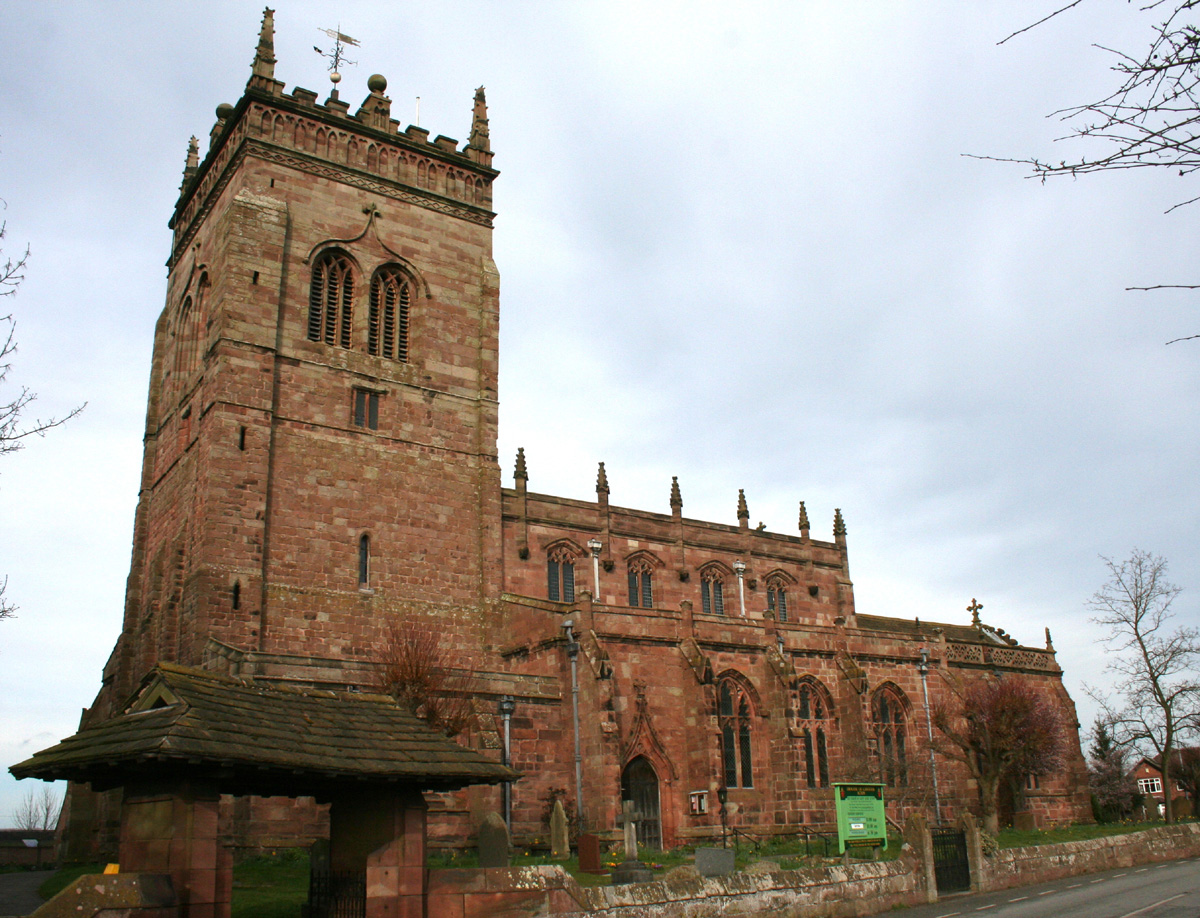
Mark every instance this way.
x=321 y=473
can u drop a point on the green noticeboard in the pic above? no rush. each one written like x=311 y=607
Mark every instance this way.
x=860 y=816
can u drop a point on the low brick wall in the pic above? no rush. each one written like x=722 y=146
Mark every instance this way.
x=1042 y=863
x=825 y=892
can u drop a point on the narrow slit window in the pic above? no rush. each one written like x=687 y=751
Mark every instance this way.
x=364 y=560
x=366 y=409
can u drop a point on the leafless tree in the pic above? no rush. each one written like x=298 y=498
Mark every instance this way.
x=1109 y=778
x=38 y=810
x=14 y=426
x=1154 y=700
x=1151 y=118
x=417 y=669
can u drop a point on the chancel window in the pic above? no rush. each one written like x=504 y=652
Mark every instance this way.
x=812 y=711
x=641 y=583
x=387 y=325
x=712 y=593
x=733 y=716
x=890 y=734
x=331 y=300
x=560 y=575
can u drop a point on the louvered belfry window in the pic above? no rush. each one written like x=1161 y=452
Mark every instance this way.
x=387 y=332
x=331 y=300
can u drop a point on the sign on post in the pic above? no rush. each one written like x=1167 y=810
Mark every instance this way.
x=862 y=822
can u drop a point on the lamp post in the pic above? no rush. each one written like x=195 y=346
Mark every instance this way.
x=507 y=705
x=923 y=669
x=595 y=545
x=739 y=568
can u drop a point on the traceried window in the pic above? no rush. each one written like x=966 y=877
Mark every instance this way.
x=712 y=593
x=890 y=733
x=560 y=575
x=387 y=326
x=331 y=300
x=812 y=711
x=777 y=600
x=733 y=716
x=641 y=586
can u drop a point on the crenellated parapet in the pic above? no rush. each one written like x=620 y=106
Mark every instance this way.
x=367 y=149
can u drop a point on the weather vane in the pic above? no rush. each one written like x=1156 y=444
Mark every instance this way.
x=337 y=56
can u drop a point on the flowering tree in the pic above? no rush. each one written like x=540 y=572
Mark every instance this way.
x=1001 y=729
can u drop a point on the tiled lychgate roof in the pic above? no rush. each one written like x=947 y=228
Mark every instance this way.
x=252 y=737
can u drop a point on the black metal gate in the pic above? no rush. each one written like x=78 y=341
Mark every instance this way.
x=337 y=895
x=950 y=864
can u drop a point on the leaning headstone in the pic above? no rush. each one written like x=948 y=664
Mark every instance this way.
x=589 y=854
x=714 y=862
x=560 y=843
x=493 y=842
x=631 y=869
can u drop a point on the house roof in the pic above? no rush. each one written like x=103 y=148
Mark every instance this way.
x=254 y=738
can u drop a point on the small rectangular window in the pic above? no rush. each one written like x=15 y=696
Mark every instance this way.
x=366 y=409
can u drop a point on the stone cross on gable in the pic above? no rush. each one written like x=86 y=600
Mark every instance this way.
x=974 y=608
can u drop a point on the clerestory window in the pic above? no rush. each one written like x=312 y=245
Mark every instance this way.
x=641 y=584
x=560 y=575
x=712 y=593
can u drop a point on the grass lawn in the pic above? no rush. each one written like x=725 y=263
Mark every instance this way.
x=271 y=886
x=1011 y=838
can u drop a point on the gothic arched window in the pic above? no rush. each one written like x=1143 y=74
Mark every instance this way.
x=331 y=299
x=712 y=592
x=733 y=717
x=641 y=587
x=387 y=326
x=812 y=711
x=777 y=599
x=560 y=574
x=887 y=712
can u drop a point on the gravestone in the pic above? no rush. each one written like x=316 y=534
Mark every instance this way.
x=589 y=854
x=560 y=843
x=493 y=842
x=630 y=870
x=714 y=862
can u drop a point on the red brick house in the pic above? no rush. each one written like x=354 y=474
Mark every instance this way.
x=1147 y=773
x=320 y=460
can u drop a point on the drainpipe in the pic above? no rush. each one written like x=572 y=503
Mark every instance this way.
x=923 y=669
x=573 y=653
x=595 y=545
x=739 y=568
x=507 y=706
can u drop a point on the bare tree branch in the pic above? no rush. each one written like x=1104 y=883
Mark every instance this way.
x=38 y=810
x=1040 y=21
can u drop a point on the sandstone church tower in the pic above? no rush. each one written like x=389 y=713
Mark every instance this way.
x=320 y=444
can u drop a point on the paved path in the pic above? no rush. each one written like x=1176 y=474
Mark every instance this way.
x=18 y=892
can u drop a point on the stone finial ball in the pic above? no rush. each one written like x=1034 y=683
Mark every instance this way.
x=376 y=83
x=224 y=110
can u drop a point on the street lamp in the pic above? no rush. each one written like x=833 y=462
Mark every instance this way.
x=507 y=705
x=739 y=568
x=923 y=669
x=573 y=654
x=595 y=545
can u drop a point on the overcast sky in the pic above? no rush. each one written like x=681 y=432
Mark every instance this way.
x=737 y=244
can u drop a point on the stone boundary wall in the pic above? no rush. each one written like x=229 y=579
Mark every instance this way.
x=1044 y=863
x=839 y=891
x=823 y=892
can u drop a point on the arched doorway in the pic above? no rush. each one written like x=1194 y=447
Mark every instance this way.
x=639 y=784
